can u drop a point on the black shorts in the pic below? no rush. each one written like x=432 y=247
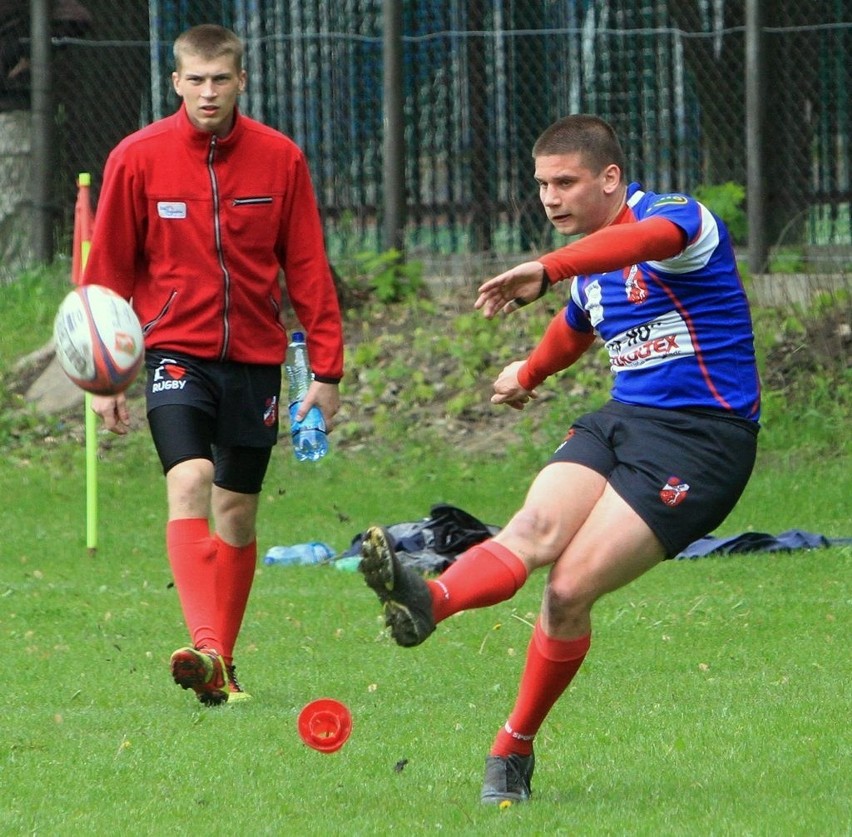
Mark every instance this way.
x=681 y=471
x=224 y=412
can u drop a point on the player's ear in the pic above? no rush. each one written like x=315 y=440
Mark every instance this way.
x=175 y=79
x=612 y=177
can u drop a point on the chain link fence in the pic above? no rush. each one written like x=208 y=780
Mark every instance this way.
x=480 y=80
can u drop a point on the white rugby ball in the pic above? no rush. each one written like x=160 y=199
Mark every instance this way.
x=98 y=340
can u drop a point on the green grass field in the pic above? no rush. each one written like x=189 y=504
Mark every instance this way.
x=715 y=699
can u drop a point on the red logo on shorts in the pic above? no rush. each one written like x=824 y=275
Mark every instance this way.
x=168 y=375
x=565 y=441
x=270 y=412
x=673 y=493
x=171 y=368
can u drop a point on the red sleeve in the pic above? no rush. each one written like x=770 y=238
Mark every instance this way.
x=615 y=247
x=307 y=275
x=113 y=258
x=558 y=349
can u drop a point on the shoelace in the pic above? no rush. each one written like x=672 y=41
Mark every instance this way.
x=232 y=678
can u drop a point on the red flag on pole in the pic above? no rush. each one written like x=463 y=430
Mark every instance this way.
x=84 y=221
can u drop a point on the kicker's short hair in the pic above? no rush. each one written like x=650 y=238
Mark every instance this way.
x=581 y=133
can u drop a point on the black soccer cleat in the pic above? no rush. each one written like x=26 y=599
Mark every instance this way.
x=507 y=779
x=403 y=592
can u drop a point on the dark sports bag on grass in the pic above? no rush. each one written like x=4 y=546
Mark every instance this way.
x=430 y=545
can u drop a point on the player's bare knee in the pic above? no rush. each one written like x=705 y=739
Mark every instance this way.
x=566 y=600
x=538 y=530
x=236 y=529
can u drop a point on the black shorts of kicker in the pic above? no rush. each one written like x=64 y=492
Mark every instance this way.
x=224 y=412
x=681 y=471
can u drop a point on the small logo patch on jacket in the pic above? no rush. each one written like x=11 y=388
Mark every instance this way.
x=171 y=209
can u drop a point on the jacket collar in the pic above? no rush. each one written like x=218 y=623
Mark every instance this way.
x=201 y=139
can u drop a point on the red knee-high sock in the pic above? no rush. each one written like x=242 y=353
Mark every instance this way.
x=550 y=667
x=192 y=556
x=235 y=566
x=484 y=575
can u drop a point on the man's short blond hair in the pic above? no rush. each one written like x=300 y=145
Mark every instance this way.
x=209 y=41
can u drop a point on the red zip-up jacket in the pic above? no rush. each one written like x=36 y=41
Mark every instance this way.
x=196 y=230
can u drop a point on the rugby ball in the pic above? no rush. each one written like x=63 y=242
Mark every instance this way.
x=98 y=340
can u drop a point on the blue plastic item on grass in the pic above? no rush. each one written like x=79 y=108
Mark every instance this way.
x=314 y=552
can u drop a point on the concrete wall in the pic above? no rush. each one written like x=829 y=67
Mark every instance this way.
x=15 y=215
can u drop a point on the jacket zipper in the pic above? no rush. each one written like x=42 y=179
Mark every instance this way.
x=217 y=234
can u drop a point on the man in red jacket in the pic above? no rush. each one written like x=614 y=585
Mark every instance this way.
x=205 y=219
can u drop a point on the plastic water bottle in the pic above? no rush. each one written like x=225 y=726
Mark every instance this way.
x=310 y=441
x=314 y=552
x=349 y=564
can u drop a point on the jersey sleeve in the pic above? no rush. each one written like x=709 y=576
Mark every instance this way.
x=700 y=228
x=681 y=210
x=560 y=347
x=615 y=247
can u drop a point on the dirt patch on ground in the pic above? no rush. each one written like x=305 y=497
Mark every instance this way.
x=824 y=349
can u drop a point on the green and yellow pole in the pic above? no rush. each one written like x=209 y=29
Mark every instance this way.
x=83 y=222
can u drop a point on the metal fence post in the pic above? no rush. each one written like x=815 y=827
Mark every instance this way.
x=754 y=72
x=42 y=131
x=393 y=167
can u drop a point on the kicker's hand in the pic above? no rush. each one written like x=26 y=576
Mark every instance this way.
x=512 y=290
x=508 y=391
